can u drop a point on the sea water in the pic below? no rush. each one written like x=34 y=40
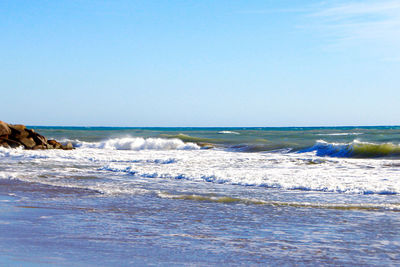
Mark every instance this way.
x=203 y=196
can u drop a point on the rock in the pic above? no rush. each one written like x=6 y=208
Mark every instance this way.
x=27 y=142
x=68 y=146
x=18 y=131
x=4 y=129
x=49 y=146
x=17 y=127
x=5 y=142
x=54 y=144
x=16 y=135
x=39 y=139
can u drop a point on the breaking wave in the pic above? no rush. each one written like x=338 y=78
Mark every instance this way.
x=138 y=143
x=355 y=149
x=193 y=139
x=228 y=132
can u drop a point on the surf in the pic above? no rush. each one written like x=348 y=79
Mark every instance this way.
x=355 y=149
x=139 y=143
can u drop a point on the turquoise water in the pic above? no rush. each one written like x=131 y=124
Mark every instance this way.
x=203 y=196
x=243 y=139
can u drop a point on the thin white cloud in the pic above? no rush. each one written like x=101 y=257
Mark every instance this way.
x=360 y=23
x=355 y=9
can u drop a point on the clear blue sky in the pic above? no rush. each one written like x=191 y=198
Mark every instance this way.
x=200 y=63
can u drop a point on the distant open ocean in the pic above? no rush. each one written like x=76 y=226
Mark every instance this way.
x=203 y=196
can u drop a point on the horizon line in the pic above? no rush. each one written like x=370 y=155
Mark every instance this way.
x=317 y=126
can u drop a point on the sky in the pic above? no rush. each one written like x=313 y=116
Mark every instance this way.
x=200 y=63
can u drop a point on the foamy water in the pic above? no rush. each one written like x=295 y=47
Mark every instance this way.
x=289 y=171
x=166 y=178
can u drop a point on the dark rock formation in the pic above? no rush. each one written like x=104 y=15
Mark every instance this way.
x=4 y=129
x=55 y=144
x=17 y=135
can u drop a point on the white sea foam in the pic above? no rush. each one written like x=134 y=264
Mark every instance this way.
x=304 y=172
x=228 y=132
x=138 y=143
x=125 y=171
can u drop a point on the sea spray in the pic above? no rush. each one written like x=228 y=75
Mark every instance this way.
x=138 y=143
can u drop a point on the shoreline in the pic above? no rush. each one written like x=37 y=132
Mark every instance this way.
x=118 y=204
x=81 y=233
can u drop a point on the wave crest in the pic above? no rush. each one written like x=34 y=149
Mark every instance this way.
x=228 y=132
x=355 y=149
x=138 y=143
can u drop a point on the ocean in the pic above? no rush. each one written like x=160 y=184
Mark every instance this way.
x=203 y=197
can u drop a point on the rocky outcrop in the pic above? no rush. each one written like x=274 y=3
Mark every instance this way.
x=17 y=135
x=4 y=129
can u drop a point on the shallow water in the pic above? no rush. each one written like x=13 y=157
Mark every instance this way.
x=121 y=198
